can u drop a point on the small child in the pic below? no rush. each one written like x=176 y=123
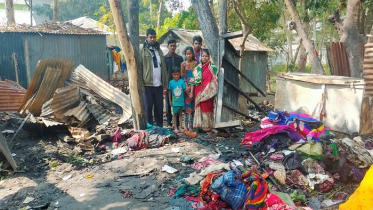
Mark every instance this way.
x=187 y=68
x=176 y=89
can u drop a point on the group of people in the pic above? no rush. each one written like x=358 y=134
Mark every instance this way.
x=191 y=84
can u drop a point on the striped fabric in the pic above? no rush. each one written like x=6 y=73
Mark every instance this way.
x=257 y=190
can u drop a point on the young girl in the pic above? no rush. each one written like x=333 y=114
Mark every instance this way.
x=187 y=68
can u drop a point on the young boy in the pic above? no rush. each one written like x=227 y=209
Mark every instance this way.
x=176 y=89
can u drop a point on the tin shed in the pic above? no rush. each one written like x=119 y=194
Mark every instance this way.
x=22 y=47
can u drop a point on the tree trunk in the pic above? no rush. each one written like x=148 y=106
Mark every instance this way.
x=130 y=51
x=348 y=32
x=159 y=14
x=288 y=37
x=55 y=10
x=223 y=26
x=369 y=19
x=10 y=12
x=151 y=13
x=315 y=61
x=31 y=12
x=208 y=26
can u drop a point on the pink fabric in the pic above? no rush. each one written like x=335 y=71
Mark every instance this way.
x=204 y=162
x=266 y=123
x=256 y=136
x=117 y=136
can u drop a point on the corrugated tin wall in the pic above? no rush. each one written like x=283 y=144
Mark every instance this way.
x=254 y=67
x=10 y=43
x=88 y=50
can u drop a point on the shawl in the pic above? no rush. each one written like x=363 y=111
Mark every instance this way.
x=196 y=78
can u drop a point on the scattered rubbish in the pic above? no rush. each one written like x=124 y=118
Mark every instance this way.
x=8 y=131
x=89 y=176
x=186 y=159
x=176 y=150
x=215 y=156
x=55 y=164
x=28 y=200
x=169 y=169
x=67 y=177
x=82 y=194
x=14 y=154
x=118 y=151
x=126 y=193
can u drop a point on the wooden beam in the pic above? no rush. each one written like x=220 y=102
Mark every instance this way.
x=246 y=78
x=220 y=95
x=232 y=35
x=238 y=112
x=244 y=94
x=229 y=124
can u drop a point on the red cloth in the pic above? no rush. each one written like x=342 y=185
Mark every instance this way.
x=207 y=76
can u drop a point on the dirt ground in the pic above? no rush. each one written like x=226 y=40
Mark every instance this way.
x=45 y=161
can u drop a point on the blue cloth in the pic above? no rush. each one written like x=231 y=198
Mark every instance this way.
x=177 y=90
x=281 y=118
x=231 y=191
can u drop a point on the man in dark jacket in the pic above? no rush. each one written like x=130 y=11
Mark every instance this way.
x=154 y=77
x=172 y=59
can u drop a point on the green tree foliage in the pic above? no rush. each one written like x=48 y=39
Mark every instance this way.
x=144 y=15
x=184 y=19
x=71 y=9
x=264 y=17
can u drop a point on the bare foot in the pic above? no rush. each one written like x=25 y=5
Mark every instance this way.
x=176 y=131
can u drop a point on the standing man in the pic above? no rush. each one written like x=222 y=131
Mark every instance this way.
x=154 y=76
x=172 y=60
x=197 y=45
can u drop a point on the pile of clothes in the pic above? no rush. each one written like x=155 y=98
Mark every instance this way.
x=292 y=162
x=152 y=137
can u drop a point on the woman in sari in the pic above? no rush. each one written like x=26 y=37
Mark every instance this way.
x=204 y=86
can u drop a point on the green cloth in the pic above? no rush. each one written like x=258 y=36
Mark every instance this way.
x=196 y=78
x=188 y=190
x=335 y=150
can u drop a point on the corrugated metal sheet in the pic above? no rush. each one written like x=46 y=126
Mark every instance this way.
x=64 y=99
x=101 y=114
x=339 y=59
x=254 y=65
x=88 y=50
x=44 y=82
x=9 y=44
x=106 y=91
x=80 y=112
x=368 y=69
x=252 y=43
x=11 y=96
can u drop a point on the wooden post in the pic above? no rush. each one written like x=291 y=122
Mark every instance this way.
x=9 y=7
x=27 y=62
x=14 y=56
x=129 y=54
x=223 y=26
x=55 y=10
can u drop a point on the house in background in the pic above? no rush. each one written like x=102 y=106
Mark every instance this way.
x=22 y=12
x=22 y=48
